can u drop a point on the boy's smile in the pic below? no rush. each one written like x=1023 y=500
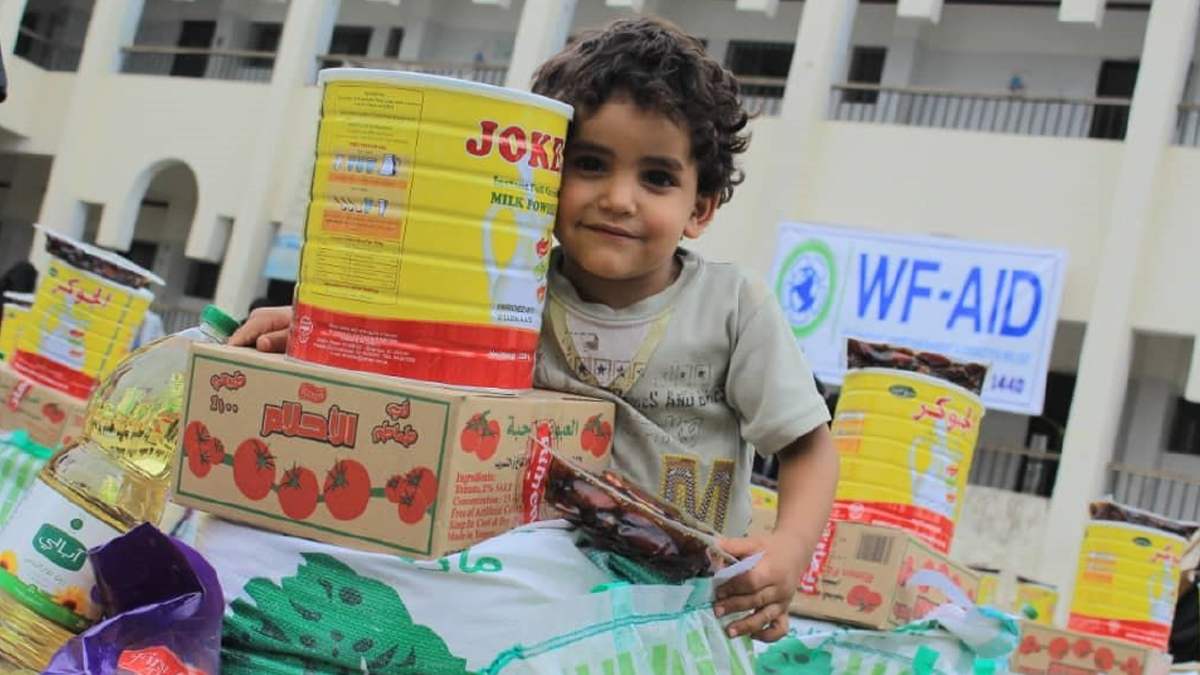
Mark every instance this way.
x=628 y=196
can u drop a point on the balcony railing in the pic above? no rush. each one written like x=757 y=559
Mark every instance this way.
x=198 y=62
x=1014 y=469
x=1187 y=130
x=1103 y=118
x=488 y=73
x=1174 y=495
x=176 y=318
x=762 y=95
x=46 y=53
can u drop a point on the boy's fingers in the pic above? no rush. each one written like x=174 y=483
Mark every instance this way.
x=261 y=321
x=745 y=602
x=755 y=623
x=774 y=632
x=273 y=342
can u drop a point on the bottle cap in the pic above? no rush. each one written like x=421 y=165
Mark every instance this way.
x=213 y=316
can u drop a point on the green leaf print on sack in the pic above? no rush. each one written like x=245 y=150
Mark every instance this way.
x=328 y=619
x=792 y=657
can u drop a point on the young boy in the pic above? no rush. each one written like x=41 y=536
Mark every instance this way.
x=698 y=359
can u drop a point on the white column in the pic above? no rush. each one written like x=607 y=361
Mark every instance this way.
x=822 y=43
x=306 y=31
x=1104 y=363
x=1192 y=391
x=1081 y=11
x=417 y=15
x=903 y=52
x=928 y=10
x=542 y=32
x=112 y=26
x=767 y=7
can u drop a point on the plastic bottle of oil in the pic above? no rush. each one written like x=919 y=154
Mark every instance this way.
x=113 y=478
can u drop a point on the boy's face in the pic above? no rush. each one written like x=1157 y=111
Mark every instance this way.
x=628 y=196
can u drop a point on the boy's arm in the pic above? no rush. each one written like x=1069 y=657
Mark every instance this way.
x=808 y=476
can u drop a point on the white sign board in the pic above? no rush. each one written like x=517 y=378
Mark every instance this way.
x=991 y=303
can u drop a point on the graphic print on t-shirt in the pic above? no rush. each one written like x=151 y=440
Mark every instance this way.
x=680 y=483
x=609 y=356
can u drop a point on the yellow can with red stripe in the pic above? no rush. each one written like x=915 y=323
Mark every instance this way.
x=906 y=441
x=81 y=325
x=426 y=245
x=1126 y=582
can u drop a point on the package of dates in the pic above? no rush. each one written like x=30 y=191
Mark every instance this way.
x=625 y=519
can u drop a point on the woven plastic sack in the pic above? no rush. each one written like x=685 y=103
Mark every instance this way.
x=527 y=601
x=954 y=639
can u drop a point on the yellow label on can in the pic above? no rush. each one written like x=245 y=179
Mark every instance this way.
x=1043 y=598
x=988 y=583
x=10 y=328
x=432 y=207
x=82 y=321
x=906 y=442
x=1127 y=572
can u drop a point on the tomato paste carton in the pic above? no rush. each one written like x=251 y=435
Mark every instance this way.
x=368 y=461
x=867 y=575
x=51 y=418
x=1046 y=650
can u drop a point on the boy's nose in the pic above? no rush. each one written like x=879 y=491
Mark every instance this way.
x=618 y=196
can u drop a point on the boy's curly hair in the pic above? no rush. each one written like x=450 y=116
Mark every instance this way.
x=662 y=69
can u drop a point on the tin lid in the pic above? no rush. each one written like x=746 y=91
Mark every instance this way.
x=402 y=77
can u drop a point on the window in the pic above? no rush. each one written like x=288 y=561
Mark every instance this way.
x=1185 y=428
x=395 y=39
x=768 y=60
x=348 y=41
x=142 y=253
x=264 y=37
x=202 y=279
x=866 y=67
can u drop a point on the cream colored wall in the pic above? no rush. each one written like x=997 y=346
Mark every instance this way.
x=209 y=125
x=33 y=114
x=1004 y=530
x=992 y=187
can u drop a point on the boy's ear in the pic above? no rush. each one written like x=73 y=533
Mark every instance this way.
x=702 y=215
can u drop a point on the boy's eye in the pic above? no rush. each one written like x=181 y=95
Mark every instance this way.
x=587 y=163
x=660 y=178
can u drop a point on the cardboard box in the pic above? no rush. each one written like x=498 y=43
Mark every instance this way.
x=859 y=576
x=50 y=417
x=367 y=461
x=1046 y=650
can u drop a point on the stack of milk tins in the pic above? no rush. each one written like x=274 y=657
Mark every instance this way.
x=402 y=419
x=906 y=427
x=58 y=343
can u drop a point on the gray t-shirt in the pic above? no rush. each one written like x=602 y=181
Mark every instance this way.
x=701 y=374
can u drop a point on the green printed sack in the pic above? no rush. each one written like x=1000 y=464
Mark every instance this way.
x=529 y=601
x=954 y=640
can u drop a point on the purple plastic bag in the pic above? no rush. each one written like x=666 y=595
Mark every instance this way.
x=165 y=605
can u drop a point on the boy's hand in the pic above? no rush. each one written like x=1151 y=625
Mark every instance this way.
x=266 y=329
x=766 y=590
